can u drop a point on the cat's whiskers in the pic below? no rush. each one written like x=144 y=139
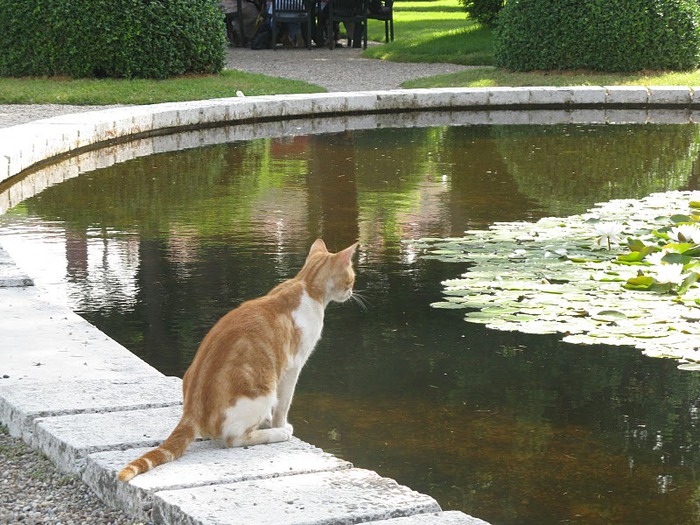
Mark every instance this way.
x=358 y=298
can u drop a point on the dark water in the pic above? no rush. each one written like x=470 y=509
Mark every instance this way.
x=515 y=429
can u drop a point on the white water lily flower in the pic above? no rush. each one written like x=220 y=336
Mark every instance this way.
x=685 y=233
x=655 y=258
x=609 y=233
x=669 y=273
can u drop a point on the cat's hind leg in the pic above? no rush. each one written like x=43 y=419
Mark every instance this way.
x=241 y=423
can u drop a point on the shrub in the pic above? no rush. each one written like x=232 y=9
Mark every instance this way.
x=484 y=11
x=110 y=38
x=603 y=35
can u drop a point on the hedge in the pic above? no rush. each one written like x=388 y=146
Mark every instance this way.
x=603 y=35
x=110 y=38
x=483 y=11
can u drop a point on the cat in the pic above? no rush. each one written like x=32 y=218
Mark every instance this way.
x=243 y=376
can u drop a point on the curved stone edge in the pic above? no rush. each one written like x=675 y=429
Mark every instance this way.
x=24 y=146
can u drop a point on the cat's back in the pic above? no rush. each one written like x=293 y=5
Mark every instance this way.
x=265 y=318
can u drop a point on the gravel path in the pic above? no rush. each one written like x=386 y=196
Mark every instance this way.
x=32 y=490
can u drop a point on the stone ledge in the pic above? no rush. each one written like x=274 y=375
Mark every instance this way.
x=47 y=342
x=441 y=518
x=67 y=440
x=26 y=145
x=10 y=275
x=204 y=463
x=22 y=403
x=338 y=497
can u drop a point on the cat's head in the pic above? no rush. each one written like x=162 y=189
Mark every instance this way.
x=331 y=272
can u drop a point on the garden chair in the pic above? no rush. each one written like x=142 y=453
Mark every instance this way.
x=347 y=11
x=292 y=12
x=384 y=12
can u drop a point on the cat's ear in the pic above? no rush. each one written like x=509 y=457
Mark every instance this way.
x=345 y=256
x=318 y=246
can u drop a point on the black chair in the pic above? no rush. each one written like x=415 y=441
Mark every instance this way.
x=230 y=19
x=291 y=12
x=348 y=11
x=383 y=11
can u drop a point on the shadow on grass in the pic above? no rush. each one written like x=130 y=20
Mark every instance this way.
x=470 y=46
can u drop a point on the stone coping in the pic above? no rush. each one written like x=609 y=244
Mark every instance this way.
x=25 y=146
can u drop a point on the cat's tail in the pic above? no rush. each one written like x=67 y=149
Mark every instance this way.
x=171 y=449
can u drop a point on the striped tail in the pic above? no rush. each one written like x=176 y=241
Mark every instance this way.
x=171 y=449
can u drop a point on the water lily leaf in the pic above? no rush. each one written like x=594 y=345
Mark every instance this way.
x=680 y=218
x=640 y=282
x=634 y=256
x=690 y=279
x=679 y=247
x=676 y=258
x=694 y=204
x=693 y=252
x=609 y=314
x=448 y=306
x=635 y=245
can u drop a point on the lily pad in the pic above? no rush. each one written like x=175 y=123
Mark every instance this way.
x=559 y=281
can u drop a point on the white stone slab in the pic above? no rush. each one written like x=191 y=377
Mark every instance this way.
x=10 y=275
x=506 y=96
x=204 y=463
x=67 y=440
x=23 y=402
x=588 y=95
x=339 y=497
x=670 y=95
x=627 y=95
x=441 y=518
x=46 y=342
x=550 y=96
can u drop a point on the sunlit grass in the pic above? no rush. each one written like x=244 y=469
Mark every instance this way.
x=119 y=91
x=491 y=77
x=433 y=32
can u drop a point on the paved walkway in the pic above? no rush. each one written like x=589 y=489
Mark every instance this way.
x=342 y=69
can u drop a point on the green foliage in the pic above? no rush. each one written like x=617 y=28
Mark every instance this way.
x=484 y=11
x=602 y=35
x=110 y=38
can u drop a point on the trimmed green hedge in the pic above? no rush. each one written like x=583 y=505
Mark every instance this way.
x=602 y=35
x=483 y=11
x=110 y=38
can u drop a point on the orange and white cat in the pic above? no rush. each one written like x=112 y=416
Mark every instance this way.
x=243 y=377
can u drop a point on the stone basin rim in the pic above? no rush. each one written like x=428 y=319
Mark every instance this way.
x=26 y=146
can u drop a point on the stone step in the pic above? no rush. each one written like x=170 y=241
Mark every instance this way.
x=47 y=342
x=450 y=517
x=338 y=497
x=10 y=275
x=205 y=463
x=67 y=440
x=23 y=402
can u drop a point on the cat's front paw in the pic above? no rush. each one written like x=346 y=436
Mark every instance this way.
x=289 y=428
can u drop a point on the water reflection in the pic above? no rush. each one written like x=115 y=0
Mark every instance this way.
x=509 y=427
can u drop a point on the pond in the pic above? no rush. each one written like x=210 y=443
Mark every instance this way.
x=512 y=428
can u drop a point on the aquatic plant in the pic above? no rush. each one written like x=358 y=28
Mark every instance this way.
x=575 y=276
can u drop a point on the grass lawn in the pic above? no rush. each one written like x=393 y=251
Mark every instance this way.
x=114 y=91
x=426 y=31
x=432 y=31
x=490 y=77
